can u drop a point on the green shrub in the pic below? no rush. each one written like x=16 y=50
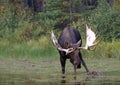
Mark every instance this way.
x=104 y=50
x=43 y=48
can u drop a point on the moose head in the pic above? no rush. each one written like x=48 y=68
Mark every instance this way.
x=90 y=42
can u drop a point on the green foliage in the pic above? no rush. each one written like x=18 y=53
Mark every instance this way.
x=117 y=5
x=23 y=25
x=43 y=48
x=106 y=20
x=104 y=50
x=25 y=33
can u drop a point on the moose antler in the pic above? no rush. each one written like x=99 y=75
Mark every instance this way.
x=55 y=42
x=90 y=39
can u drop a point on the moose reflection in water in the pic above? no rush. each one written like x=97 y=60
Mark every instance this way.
x=94 y=75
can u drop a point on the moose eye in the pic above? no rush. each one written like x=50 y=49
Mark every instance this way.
x=72 y=53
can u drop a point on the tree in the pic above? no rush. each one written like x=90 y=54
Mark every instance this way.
x=35 y=5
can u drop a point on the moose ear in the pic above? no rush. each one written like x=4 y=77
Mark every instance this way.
x=78 y=43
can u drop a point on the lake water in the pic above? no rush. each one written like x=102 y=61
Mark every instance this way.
x=54 y=79
x=48 y=72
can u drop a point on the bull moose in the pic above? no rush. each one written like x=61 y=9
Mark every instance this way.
x=69 y=45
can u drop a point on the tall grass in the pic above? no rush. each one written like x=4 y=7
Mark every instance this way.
x=105 y=50
x=43 y=48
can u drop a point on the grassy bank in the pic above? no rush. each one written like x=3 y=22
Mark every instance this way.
x=43 y=48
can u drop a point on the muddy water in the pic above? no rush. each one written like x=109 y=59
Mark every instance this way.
x=47 y=72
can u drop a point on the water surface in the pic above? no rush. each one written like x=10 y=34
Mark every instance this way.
x=48 y=72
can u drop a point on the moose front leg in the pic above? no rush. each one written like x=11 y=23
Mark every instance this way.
x=85 y=66
x=63 y=62
x=75 y=67
x=83 y=63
